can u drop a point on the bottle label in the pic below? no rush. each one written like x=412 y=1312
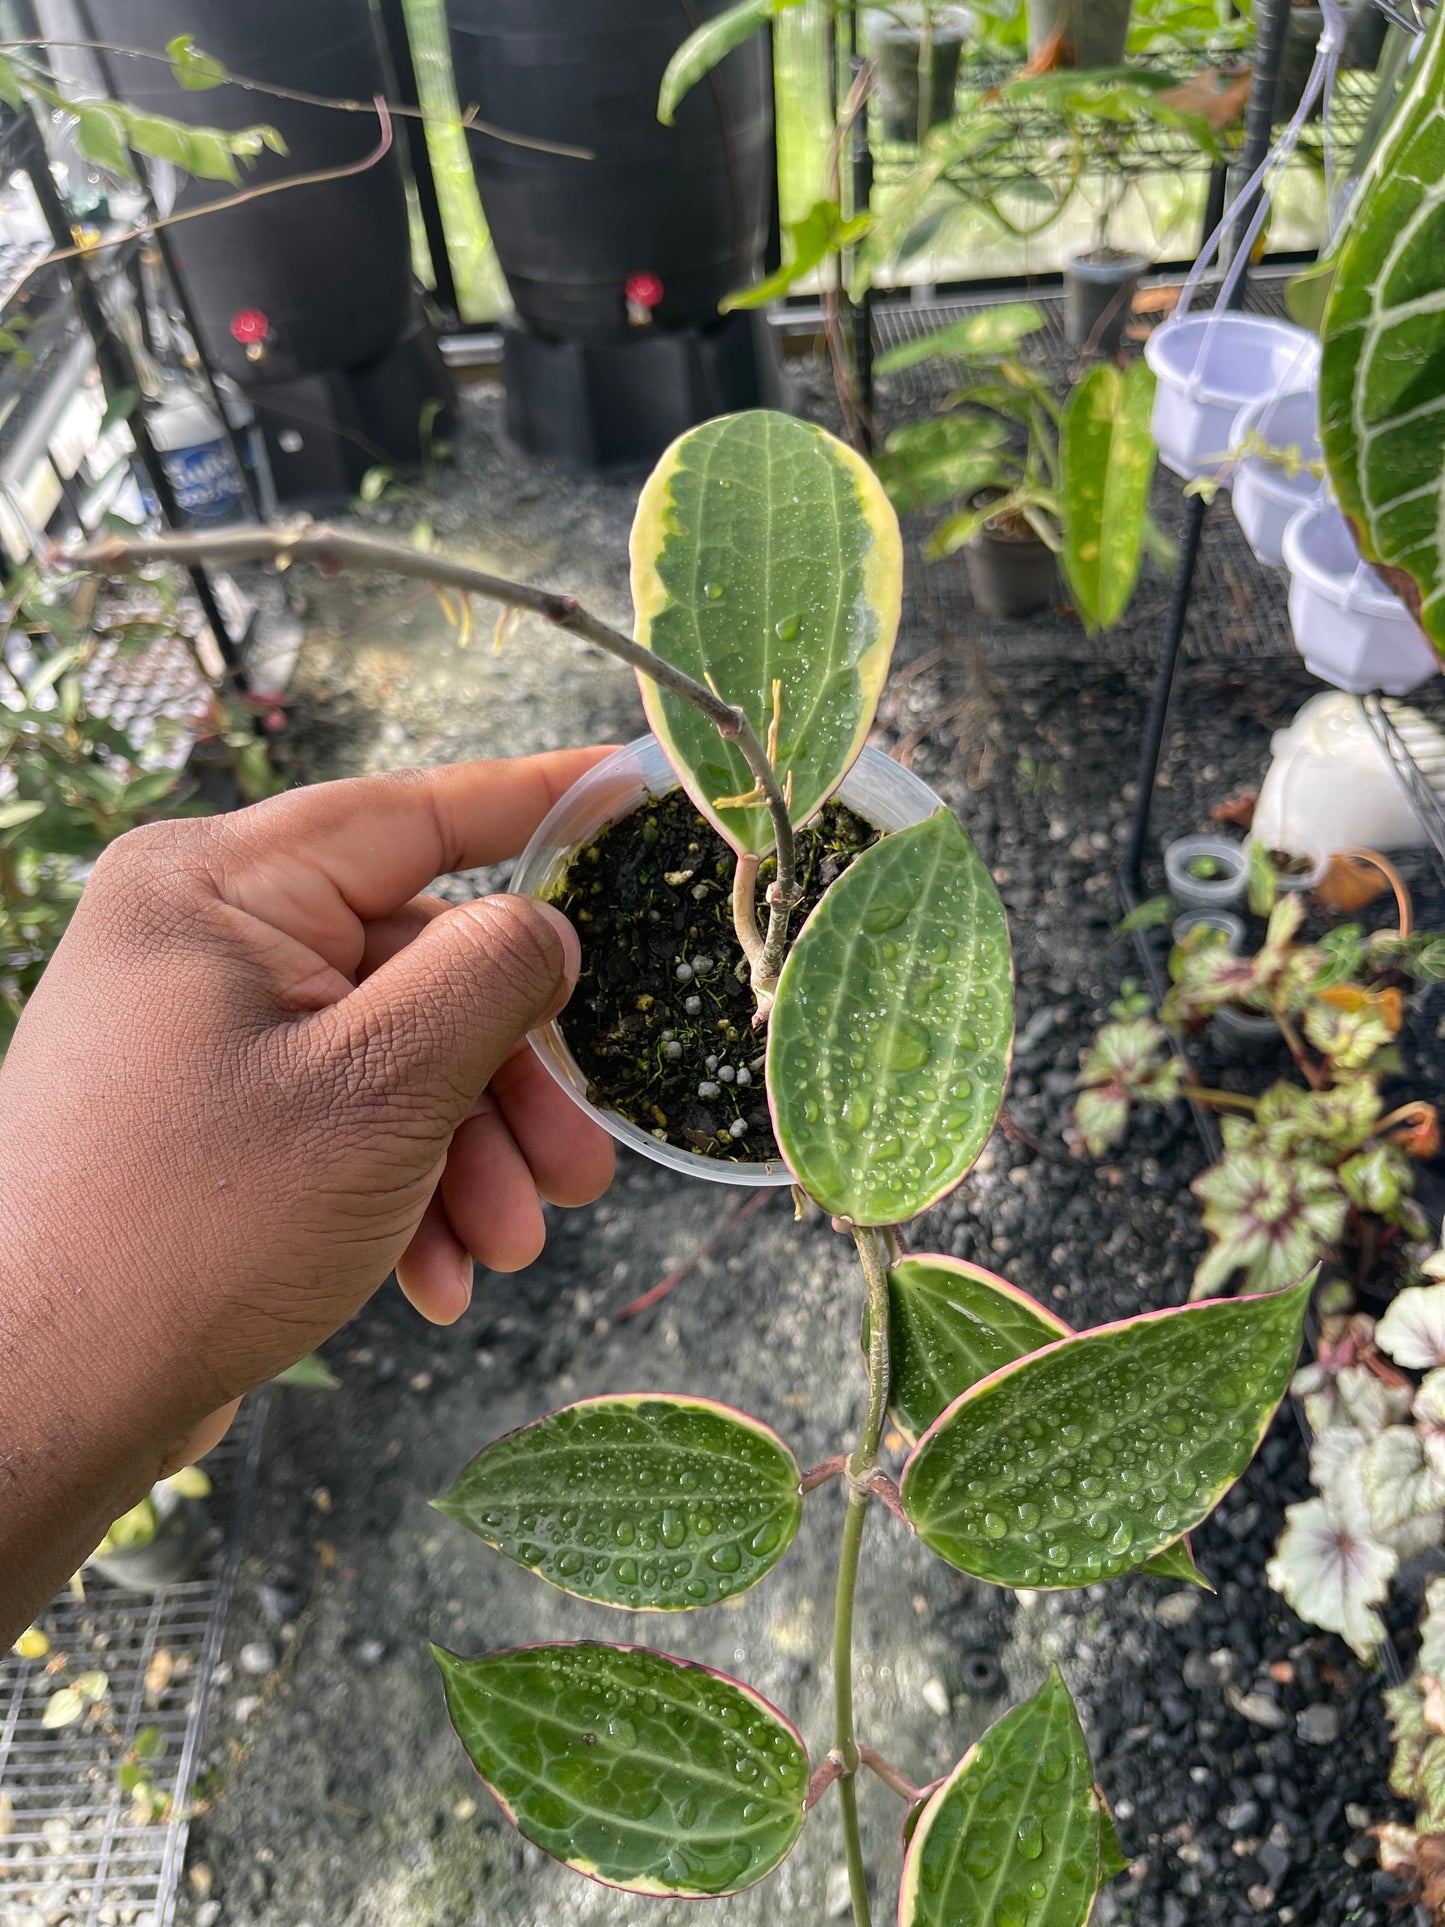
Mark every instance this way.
x=207 y=483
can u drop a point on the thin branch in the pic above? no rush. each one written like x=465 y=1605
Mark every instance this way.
x=831 y=1769
x=745 y=911
x=339 y=104
x=336 y=548
x=870 y=1757
x=821 y=1474
x=665 y=1285
x=882 y=1487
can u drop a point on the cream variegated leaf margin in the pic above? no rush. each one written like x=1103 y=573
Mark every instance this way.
x=1382 y=377
x=766 y=560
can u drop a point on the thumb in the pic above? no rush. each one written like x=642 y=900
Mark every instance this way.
x=438 y=1018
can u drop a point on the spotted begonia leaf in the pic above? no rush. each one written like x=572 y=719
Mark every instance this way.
x=888 y=1046
x=949 y=1325
x=1400 y=1484
x=1382 y=371
x=1017 y=1832
x=1091 y=1456
x=1417 y=1771
x=1269 y=1217
x=1127 y=1061
x=650 y=1501
x=642 y=1771
x=1412 y=1331
x=765 y=552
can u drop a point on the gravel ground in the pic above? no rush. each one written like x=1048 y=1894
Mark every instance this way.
x=1245 y=1755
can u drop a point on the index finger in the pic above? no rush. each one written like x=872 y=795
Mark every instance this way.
x=320 y=862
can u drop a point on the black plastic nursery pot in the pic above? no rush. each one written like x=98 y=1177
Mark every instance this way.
x=1098 y=293
x=915 y=77
x=680 y=212
x=318 y=278
x=1097 y=31
x=1010 y=574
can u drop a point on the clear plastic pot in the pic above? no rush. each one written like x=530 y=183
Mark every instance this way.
x=1228 y=927
x=1298 y=880
x=881 y=791
x=1209 y=892
x=1211 y=365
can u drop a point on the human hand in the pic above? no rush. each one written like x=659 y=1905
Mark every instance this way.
x=259 y=1073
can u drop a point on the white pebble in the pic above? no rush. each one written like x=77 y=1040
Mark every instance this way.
x=692 y=1006
x=702 y=965
x=256 y=1658
x=708 y=1089
x=727 y=1074
x=672 y=1051
x=738 y=1127
x=668 y=1035
x=936 y=1697
x=711 y=1063
x=745 y=1076
x=683 y=973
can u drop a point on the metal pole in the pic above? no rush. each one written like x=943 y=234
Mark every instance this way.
x=1273 y=16
x=401 y=71
x=118 y=373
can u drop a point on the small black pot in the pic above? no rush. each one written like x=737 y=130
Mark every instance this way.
x=897 y=50
x=1010 y=575
x=1098 y=290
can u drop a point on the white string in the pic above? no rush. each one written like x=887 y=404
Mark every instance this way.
x=1321 y=82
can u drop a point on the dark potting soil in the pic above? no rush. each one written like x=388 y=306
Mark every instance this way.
x=661 y=1020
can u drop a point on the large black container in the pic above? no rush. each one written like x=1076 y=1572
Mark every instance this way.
x=687 y=204
x=329 y=266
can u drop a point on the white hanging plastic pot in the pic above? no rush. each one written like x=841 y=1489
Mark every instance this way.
x=1268 y=494
x=1350 y=629
x=1209 y=367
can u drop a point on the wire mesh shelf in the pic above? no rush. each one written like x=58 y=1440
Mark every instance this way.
x=75 y=1849
x=1417 y=755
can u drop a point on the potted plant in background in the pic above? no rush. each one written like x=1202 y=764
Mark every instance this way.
x=1031 y=485
x=161 y=1540
x=1091 y=33
x=916 y=48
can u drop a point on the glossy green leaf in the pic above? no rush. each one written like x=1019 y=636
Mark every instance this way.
x=765 y=551
x=194 y=70
x=947 y=458
x=950 y=1325
x=1086 y=1459
x=161 y=138
x=641 y=1771
x=710 y=43
x=1017 y=1835
x=649 y=1501
x=1176 y=1562
x=308 y=1374
x=977 y=337
x=1106 y=454
x=100 y=134
x=1382 y=377
x=821 y=231
x=888 y=1046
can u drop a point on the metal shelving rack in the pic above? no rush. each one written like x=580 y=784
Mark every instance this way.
x=72 y=1848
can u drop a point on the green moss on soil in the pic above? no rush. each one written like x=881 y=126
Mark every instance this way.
x=651 y=896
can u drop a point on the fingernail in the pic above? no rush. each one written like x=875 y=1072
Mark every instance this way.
x=571 y=948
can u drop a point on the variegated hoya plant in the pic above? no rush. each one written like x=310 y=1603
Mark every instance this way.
x=766 y=567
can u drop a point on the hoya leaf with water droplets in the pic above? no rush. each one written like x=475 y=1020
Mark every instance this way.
x=1382 y=373
x=765 y=552
x=1084 y=1460
x=642 y=1771
x=1015 y=1836
x=652 y=1501
x=1176 y=1562
x=949 y=1325
x=888 y=1046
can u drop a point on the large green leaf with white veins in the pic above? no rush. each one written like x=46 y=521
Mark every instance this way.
x=642 y=1771
x=1088 y=1458
x=949 y=1325
x=888 y=1046
x=1017 y=1835
x=1382 y=377
x=1106 y=458
x=649 y=1501
x=765 y=552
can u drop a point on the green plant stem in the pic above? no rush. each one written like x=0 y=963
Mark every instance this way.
x=1219 y=1100
x=862 y=1461
x=337 y=548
